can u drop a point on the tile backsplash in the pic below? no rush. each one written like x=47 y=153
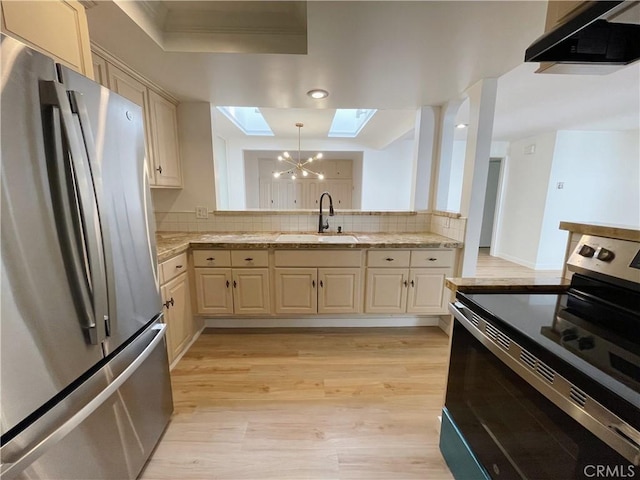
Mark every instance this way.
x=448 y=225
x=293 y=222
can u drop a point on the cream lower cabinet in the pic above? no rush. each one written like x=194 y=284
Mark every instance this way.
x=314 y=281
x=176 y=299
x=222 y=290
x=401 y=288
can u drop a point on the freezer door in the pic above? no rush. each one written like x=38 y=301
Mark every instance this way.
x=107 y=427
x=113 y=133
x=45 y=343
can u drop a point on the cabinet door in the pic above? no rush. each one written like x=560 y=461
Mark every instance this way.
x=343 y=193
x=100 y=70
x=251 y=294
x=124 y=84
x=339 y=290
x=57 y=28
x=177 y=315
x=426 y=290
x=164 y=135
x=386 y=290
x=213 y=291
x=296 y=290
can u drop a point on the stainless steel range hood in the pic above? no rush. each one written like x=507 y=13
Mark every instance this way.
x=603 y=37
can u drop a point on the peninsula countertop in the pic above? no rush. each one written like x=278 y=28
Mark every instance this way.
x=508 y=285
x=169 y=244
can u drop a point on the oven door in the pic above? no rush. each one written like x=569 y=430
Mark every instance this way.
x=513 y=430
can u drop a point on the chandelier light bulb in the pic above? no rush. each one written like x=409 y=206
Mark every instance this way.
x=319 y=156
x=305 y=173
x=286 y=154
x=310 y=159
x=321 y=177
x=276 y=174
x=293 y=176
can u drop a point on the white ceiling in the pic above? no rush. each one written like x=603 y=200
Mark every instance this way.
x=392 y=55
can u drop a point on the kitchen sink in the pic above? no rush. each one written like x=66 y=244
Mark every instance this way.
x=297 y=237
x=338 y=239
x=312 y=238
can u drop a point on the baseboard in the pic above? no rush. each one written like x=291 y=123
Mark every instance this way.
x=445 y=324
x=186 y=349
x=318 y=321
x=517 y=260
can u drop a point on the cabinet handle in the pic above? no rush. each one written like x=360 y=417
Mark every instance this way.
x=321 y=284
x=389 y=259
x=248 y=259
x=432 y=259
x=159 y=169
x=413 y=284
x=235 y=285
x=171 y=301
x=313 y=283
x=167 y=305
x=406 y=284
x=227 y=283
x=178 y=267
x=210 y=259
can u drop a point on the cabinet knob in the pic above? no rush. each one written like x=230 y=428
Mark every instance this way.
x=321 y=284
x=159 y=169
x=432 y=259
x=406 y=284
x=248 y=259
x=227 y=283
x=210 y=259
x=389 y=259
x=313 y=283
x=235 y=285
x=178 y=267
x=413 y=284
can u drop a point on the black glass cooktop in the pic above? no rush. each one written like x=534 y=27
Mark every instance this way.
x=567 y=340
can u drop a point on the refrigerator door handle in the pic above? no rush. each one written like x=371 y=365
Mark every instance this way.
x=70 y=178
x=79 y=107
x=15 y=467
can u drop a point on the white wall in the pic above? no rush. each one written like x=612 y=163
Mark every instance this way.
x=455 y=177
x=601 y=176
x=196 y=153
x=387 y=176
x=526 y=177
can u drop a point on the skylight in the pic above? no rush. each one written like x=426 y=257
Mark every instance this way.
x=348 y=122
x=247 y=119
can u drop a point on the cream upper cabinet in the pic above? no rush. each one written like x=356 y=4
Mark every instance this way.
x=163 y=123
x=57 y=28
x=100 y=74
x=160 y=124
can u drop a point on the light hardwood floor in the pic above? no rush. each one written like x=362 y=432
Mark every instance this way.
x=495 y=267
x=328 y=404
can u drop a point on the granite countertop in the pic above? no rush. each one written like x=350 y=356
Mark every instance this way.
x=169 y=244
x=622 y=232
x=510 y=285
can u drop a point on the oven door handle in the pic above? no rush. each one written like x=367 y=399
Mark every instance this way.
x=600 y=421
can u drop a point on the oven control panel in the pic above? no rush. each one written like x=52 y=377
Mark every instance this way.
x=608 y=256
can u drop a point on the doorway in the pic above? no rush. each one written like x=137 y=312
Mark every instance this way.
x=490 y=201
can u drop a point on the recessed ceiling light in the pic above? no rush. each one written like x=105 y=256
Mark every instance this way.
x=461 y=125
x=318 y=93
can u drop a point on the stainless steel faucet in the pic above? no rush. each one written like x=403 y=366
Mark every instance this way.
x=322 y=226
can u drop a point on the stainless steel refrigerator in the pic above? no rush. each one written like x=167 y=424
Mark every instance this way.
x=84 y=378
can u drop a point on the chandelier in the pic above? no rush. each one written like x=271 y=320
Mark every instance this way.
x=298 y=167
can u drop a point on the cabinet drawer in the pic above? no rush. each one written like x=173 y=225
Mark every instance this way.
x=173 y=267
x=211 y=258
x=249 y=258
x=432 y=258
x=388 y=258
x=318 y=258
